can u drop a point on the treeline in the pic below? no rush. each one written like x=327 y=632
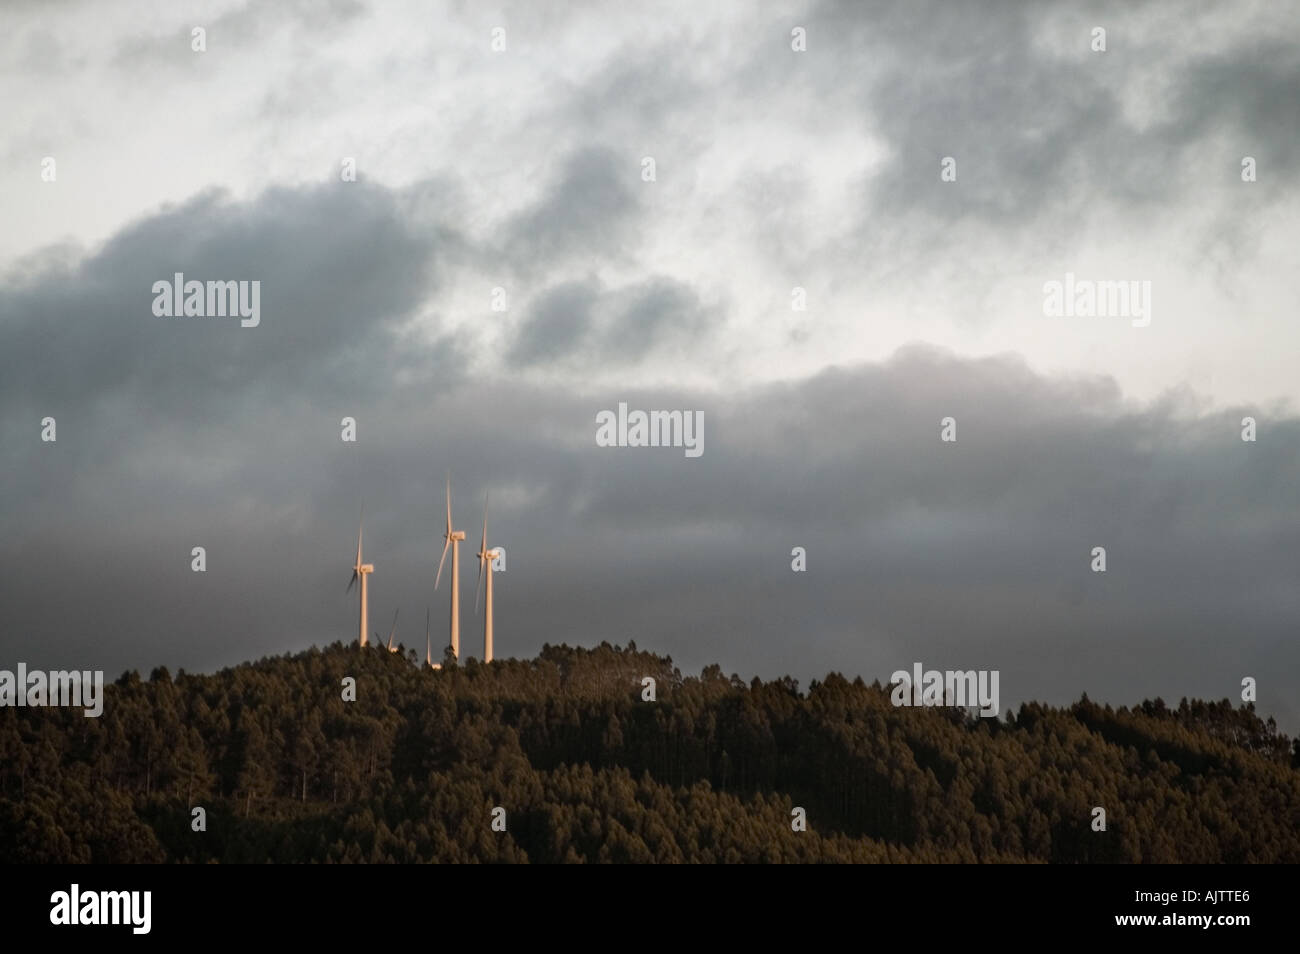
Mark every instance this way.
x=587 y=770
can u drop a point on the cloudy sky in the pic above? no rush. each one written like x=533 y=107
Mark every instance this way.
x=524 y=169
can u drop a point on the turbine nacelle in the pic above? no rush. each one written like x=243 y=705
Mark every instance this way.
x=357 y=571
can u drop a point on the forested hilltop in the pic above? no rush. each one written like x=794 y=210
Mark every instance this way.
x=287 y=771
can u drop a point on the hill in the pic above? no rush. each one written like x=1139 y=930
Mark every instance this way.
x=586 y=770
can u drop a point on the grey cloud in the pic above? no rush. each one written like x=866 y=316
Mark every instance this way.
x=1249 y=100
x=640 y=93
x=653 y=312
x=579 y=323
x=589 y=213
x=343 y=274
x=557 y=324
x=167 y=46
x=340 y=270
x=1043 y=143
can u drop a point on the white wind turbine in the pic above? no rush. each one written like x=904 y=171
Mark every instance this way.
x=485 y=558
x=453 y=538
x=428 y=645
x=390 y=633
x=359 y=572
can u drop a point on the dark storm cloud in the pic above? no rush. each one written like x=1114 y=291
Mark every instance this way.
x=339 y=267
x=655 y=311
x=587 y=213
x=976 y=552
x=1036 y=121
x=557 y=324
x=1252 y=99
x=577 y=323
x=342 y=271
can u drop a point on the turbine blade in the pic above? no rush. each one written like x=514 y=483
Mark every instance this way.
x=446 y=546
x=360 y=529
x=449 y=504
x=352 y=582
x=485 y=509
x=479 y=588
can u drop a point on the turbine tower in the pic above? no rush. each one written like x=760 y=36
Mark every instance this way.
x=359 y=572
x=453 y=538
x=485 y=558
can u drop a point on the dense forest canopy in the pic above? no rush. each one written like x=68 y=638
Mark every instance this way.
x=587 y=770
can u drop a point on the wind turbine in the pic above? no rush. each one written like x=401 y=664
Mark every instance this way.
x=428 y=644
x=359 y=572
x=453 y=538
x=485 y=558
x=390 y=633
